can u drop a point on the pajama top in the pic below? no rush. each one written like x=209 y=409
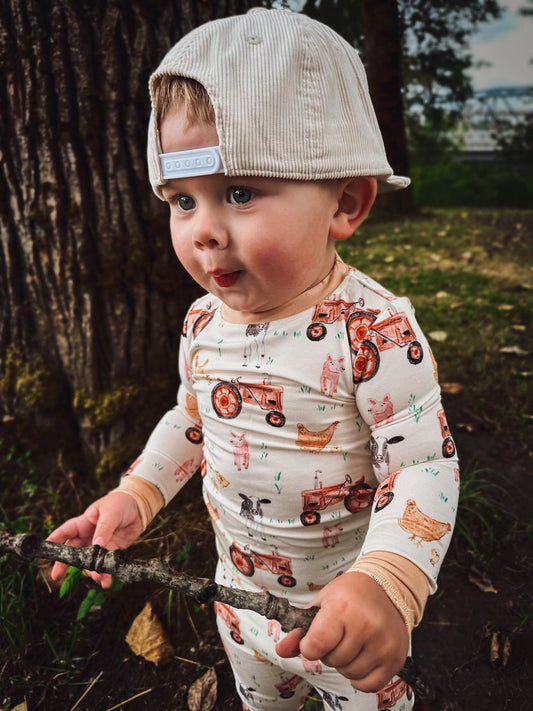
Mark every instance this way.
x=321 y=436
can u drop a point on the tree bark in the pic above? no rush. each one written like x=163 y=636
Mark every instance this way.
x=91 y=295
x=382 y=54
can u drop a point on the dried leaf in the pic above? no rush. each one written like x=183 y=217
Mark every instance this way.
x=451 y=388
x=506 y=650
x=23 y=706
x=438 y=335
x=203 y=692
x=481 y=581
x=513 y=350
x=500 y=648
x=494 y=647
x=147 y=638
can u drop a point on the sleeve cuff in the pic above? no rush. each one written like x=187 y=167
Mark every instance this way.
x=406 y=585
x=147 y=496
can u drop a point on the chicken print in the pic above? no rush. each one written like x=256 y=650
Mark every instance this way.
x=420 y=526
x=314 y=441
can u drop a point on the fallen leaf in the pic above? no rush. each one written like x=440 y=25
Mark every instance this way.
x=481 y=581
x=494 y=647
x=451 y=388
x=147 y=638
x=505 y=307
x=500 y=648
x=438 y=335
x=203 y=692
x=441 y=294
x=21 y=707
x=513 y=350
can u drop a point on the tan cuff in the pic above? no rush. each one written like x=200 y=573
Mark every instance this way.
x=406 y=585
x=147 y=496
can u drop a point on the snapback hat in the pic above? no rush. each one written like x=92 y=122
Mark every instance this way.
x=290 y=98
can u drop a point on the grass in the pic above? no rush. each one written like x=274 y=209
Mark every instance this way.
x=469 y=274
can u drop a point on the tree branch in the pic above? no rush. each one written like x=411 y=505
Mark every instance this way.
x=204 y=590
x=155 y=570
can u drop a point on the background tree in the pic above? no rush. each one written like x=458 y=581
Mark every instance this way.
x=91 y=297
x=416 y=54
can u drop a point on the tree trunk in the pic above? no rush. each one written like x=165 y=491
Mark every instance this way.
x=91 y=295
x=382 y=53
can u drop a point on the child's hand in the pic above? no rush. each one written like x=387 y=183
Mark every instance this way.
x=357 y=630
x=112 y=522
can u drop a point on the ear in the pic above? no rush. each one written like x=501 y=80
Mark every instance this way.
x=355 y=198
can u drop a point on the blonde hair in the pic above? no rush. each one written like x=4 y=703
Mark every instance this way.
x=170 y=91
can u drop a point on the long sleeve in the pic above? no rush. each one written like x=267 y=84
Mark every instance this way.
x=413 y=454
x=173 y=451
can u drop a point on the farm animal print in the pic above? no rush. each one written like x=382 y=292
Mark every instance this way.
x=323 y=438
x=265 y=681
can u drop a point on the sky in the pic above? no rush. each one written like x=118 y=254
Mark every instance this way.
x=507 y=43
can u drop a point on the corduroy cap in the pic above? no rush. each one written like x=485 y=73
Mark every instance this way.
x=290 y=98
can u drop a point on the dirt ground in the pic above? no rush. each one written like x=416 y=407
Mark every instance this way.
x=473 y=647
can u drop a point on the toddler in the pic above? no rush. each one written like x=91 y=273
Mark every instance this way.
x=308 y=395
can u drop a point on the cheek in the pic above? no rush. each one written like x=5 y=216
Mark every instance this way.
x=178 y=242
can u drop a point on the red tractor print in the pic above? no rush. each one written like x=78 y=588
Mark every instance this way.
x=247 y=560
x=227 y=615
x=194 y=434
x=384 y=492
x=448 y=445
x=227 y=399
x=197 y=319
x=389 y=695
x=287 y=686
x=329 y=311
x=355 y=497
x=394 y=331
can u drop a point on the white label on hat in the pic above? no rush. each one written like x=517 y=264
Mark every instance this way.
x=186 y=164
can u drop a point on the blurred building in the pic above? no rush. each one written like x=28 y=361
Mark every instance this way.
x=486 y=115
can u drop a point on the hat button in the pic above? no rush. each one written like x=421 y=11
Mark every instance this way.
x=253 y=39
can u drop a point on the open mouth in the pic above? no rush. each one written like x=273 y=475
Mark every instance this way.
x=226 y=280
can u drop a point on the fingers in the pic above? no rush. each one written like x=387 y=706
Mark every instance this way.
x=74 y=532
x=326 y=640
x=289 y=646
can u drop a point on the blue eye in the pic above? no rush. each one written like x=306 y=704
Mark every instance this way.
x=186 y=203
x=240 y=196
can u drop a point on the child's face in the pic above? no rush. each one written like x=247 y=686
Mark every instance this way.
x=254 y=242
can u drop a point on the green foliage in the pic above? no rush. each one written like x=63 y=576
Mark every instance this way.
x=515 y=141
x=27 y=382
x=435 y=44
x=481 y=506
x=449 y=183
x=436 y=49
x=468 y=275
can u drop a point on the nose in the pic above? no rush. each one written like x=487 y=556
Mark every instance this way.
x=209 y=230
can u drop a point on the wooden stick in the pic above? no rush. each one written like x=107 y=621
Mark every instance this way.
x=155 y=570
x=204 y=590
